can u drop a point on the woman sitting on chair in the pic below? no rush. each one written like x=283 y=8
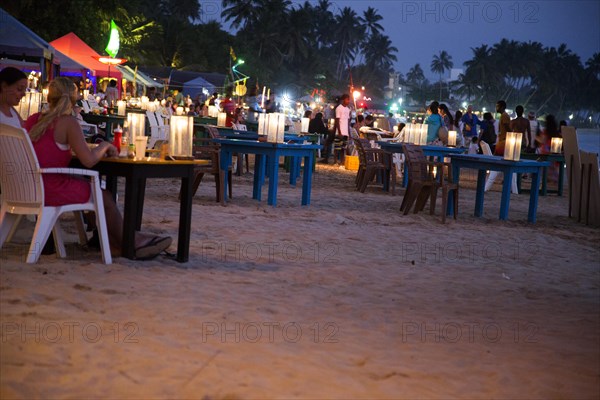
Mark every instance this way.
x=54 y=134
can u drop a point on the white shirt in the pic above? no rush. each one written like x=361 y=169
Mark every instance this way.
x=13 y=120
x=343 y=114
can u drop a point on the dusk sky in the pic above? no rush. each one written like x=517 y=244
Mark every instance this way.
x=420 y=29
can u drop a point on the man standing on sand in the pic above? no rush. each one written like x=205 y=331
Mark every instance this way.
x=503 y=127
x=341 y=129
x=521 y=124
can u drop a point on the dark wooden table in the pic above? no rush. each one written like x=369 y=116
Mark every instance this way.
x=136 y=173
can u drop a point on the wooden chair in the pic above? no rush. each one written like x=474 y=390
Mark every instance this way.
x=425 y=178
x=209 y=155
x=371 y=162
x=213 y=133
x=23 y=194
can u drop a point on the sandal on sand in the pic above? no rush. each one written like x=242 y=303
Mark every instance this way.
x=153 y=248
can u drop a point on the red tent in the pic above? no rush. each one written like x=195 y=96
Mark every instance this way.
x=75 y=48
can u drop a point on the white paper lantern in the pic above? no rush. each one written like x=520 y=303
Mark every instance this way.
x=556 y=145
x=136 y=123
x=121 y=107
x=452 y=138
x=145 y=101
x=222 y=119
x=276 y=128
x=304 y=126
x=30 y=104
x=423 y=135
x=512 y=147
x=262 y=124
x=181 y=131
x=213 y=111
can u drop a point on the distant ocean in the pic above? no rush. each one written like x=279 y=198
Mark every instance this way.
x=589 y=140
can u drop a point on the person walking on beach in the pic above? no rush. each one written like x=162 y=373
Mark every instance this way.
x=534 y=131
x=341 y=127
x=503 y=127
x=521 y=124
x=434 y=122
x=470 y=122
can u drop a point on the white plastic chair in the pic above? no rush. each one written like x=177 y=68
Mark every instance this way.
x=163 y=128
x=154 y=129
x=494 y=174
x=23 y=194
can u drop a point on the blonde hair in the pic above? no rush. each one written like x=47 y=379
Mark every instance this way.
x=62 y=95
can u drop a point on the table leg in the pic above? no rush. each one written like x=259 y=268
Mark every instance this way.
x=505 y=199
x=294 y=169
x=544 y=182
x=185 y=217
x=273 y=170
x=129 y=218
x=561 y=175
x=450 y=205
x=225 y=163
x=307 y=179
x=405 y=175
x=533 y=198
x=259 y=176
x=140 y=203
x=480 y=192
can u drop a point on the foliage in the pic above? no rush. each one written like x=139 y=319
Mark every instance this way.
x=316 y=45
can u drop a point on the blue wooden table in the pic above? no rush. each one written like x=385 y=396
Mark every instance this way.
x=430 y=151
x=267 y=161
x=483 y=163
x=552 y=158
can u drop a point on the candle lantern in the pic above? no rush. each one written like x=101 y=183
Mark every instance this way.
x=222 y=119
x=423 y=135
x=276 y=127
x=179 y=110
x=452 y=138
x=556 y=145
x=512 y=147
x=121 y=107
x=86 y=94
x=213 y=111
x=136 y=123
x=304 y=125
x=30 y=104
x=181 y=131
x=262 y=124
x=145 y=101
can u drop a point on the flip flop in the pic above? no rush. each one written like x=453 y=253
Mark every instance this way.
x=153 y=248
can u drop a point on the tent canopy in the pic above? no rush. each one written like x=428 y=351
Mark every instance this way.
x=195 y=86
x=18 y=40
x=140 y=77
x=75 y=48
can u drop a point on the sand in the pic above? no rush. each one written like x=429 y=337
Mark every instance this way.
x=343 y=299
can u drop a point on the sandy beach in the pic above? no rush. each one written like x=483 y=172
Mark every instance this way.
x=343 y=299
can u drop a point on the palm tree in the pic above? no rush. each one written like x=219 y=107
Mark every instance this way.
x=348 y=35
x=440 y=64
x=242 y=13
x=380 y=52
x=370 y=21
x=481 y=69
